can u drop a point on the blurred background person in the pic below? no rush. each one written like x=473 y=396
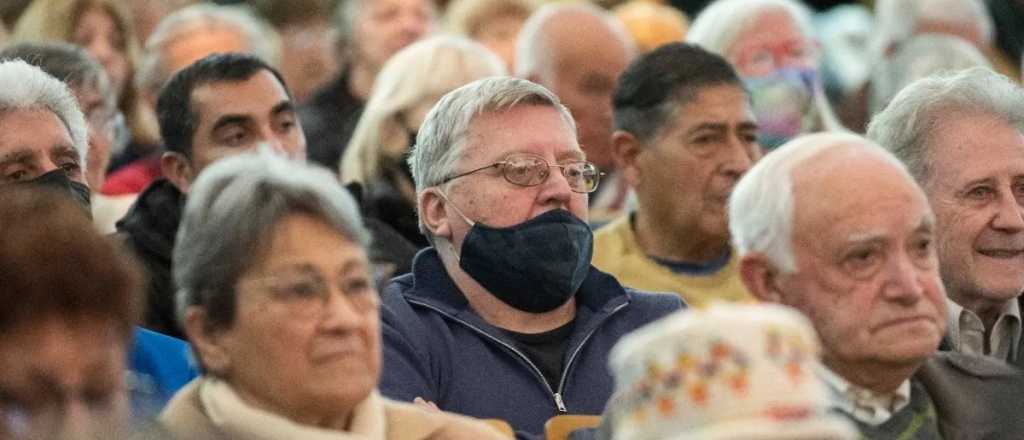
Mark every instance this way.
x=63 y=353
x=493 y=23
x=407 y=88
x=307 y=53
x=652 y=24
x=368 y=33
x=147 y=14
x=897 y=22
x=283 y=313
x=181 y=38
x=577 y=51
x=920 y=57
x=845 y=34
x=773 y=47
x=105 y=29
x=88 y=82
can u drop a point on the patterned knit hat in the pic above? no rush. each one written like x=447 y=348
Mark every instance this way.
x=725 y=372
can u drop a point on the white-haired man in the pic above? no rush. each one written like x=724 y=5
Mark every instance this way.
x=577 y=51
x=44 y=143
x=962 y=137
x=834 y=226
x=504 y=317
x=368 y=33
x=179 y=40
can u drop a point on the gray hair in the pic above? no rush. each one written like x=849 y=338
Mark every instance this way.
x=905 y=125
x=426 y=69
x=719 y=25
x=27 y=87
x=534 y=55
x=214 y=248
x=442 y=137
x=761 y=205
x=920 y=57
x=261 y=38
x=896 y=21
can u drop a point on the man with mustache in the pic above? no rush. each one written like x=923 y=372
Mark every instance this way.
x=684 y=134
x=961 y=138
x=834 y=226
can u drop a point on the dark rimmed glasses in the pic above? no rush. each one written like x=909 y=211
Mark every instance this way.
x=526 y=169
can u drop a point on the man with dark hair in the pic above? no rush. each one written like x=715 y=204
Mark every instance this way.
x=67 y=321
x=219 y=106
x=684 y=134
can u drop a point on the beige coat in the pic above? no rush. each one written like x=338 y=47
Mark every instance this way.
x=185 y=417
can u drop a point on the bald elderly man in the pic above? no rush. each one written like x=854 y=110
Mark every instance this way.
x=834 y=226
x=578 y=51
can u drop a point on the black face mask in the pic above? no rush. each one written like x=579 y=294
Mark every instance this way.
x=58 y=180
x=535 y=266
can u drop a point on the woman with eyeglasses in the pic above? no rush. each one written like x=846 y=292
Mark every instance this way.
x=277 y=297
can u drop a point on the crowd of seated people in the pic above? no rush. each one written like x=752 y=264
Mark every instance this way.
x=529 y=219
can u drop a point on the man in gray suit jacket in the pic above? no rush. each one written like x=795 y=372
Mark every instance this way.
x=962 y=138
x=834 y=226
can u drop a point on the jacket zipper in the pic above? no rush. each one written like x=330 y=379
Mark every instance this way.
x=556 y=396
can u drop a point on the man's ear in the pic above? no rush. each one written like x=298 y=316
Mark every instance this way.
x=760 y=277
x=626 y=149
x=433 y=214
x=178 y=170
x=207 y=343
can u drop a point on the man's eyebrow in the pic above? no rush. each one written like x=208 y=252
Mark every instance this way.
x=230 y=119
x=62 y=150
x=19 y=155
x=282 y=107
x=716 y=126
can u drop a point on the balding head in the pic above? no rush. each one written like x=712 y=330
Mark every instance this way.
x=855 y=233
x=577 y=51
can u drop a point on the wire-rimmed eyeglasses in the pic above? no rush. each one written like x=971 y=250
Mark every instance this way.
x=525 y=169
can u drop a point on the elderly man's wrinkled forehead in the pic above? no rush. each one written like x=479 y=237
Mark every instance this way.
x=851 y=173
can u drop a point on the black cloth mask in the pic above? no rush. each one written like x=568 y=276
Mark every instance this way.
x=58 y=180
x=535 y=266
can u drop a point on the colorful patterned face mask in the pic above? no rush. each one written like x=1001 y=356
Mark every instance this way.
x=783 y=103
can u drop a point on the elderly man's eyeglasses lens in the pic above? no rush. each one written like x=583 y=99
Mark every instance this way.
x=307 y=295
x=532 y=170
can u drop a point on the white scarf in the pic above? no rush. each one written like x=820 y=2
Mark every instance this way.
x=239 y=420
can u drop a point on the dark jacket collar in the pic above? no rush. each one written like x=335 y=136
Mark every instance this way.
x=429 y=284
x=152 y=222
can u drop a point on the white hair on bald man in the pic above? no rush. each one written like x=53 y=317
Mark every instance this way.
x=27 y=87
x=761 y=205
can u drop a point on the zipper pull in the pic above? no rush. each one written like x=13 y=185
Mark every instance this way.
x=560 y=403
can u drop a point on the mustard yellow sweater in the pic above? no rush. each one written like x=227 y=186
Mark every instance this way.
x=616 y=251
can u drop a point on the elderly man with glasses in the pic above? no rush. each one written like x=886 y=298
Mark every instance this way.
x=505 y=307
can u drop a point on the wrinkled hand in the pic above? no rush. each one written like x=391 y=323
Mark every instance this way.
x=426 y=404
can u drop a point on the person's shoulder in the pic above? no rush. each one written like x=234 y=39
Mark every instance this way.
x=407 y=421
x=972 y=365
x=655 y=301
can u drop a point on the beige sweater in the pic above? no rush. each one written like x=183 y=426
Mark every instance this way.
x=207 y=409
